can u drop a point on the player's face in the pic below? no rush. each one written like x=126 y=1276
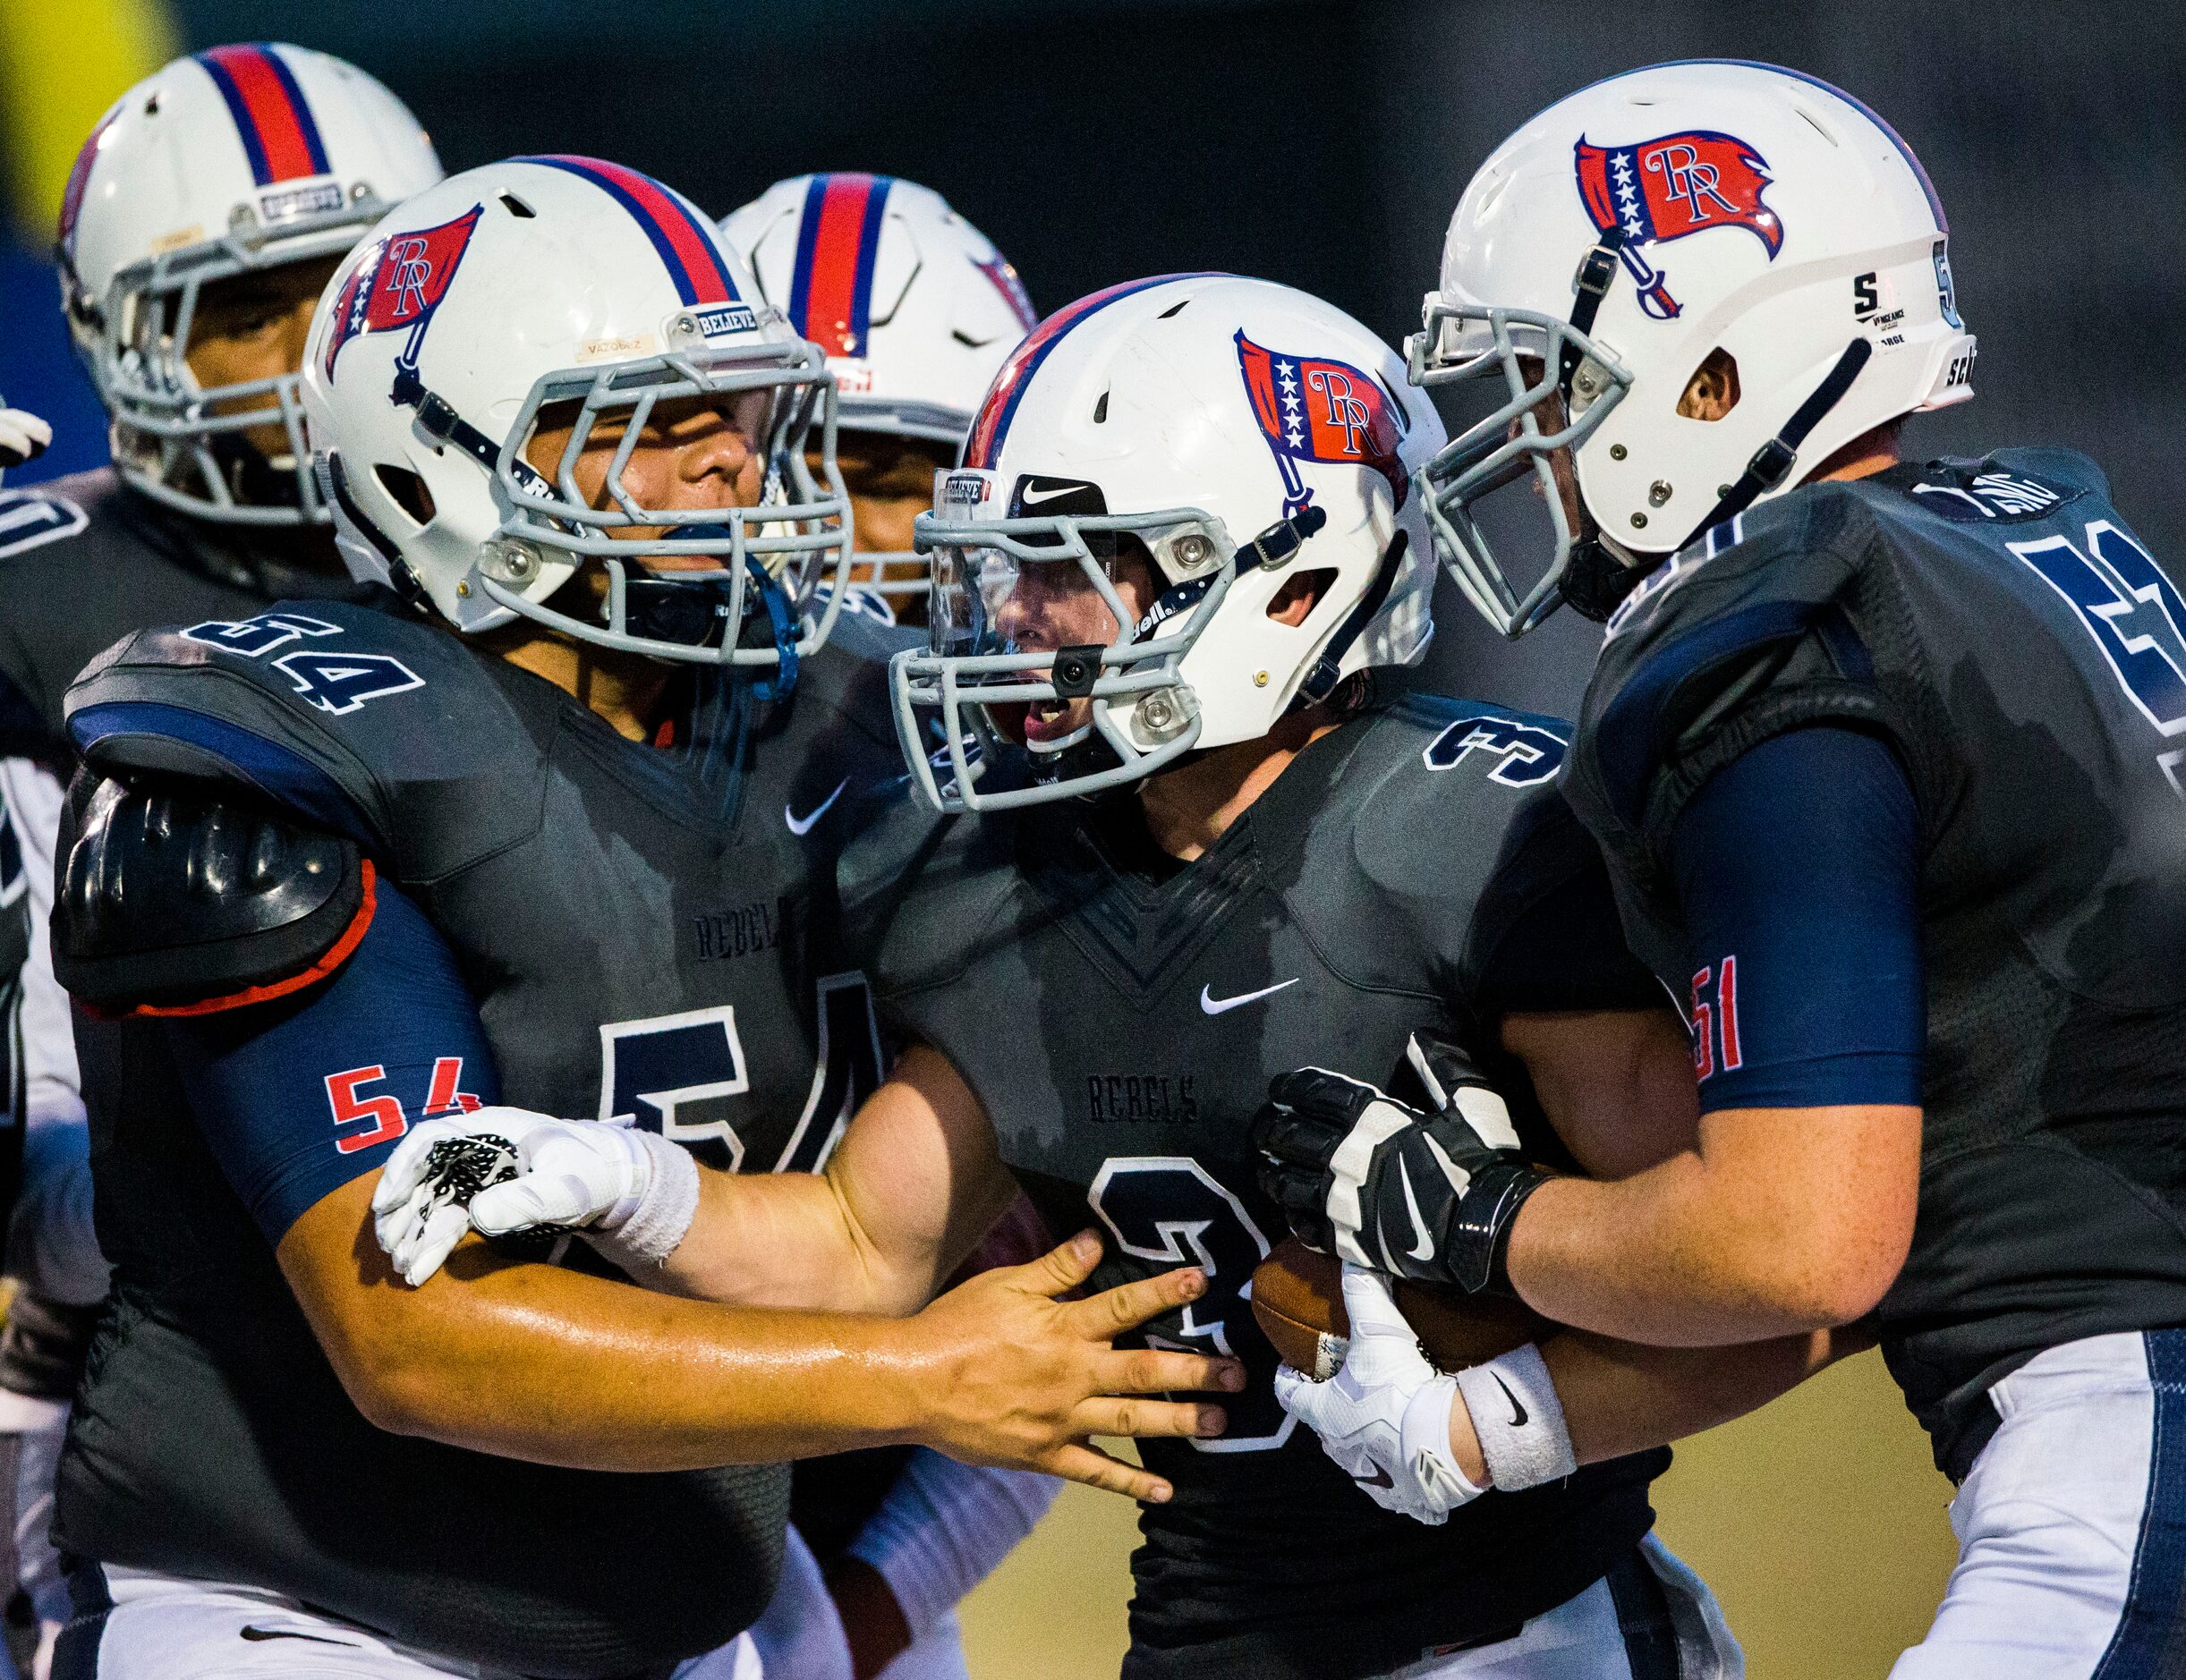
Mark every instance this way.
x=891 y=482
x=1052 y=604
x=695 y=452
x=252 y=327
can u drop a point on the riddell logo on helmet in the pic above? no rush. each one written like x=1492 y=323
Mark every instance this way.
x=1663 y=189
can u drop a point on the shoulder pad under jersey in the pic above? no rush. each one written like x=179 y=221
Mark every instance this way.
x=922 y=894
x=79 y=569
x=1748 y=632
x=390 y=730
x=1448 y=809
x=184 y=900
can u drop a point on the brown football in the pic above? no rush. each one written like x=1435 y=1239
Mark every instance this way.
x=1297 y=1298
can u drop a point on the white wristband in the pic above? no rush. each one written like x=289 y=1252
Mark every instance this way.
x=1518 y=1419
x=945 y=1527
x=649 y=1233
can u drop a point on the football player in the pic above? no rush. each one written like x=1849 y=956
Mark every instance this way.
x=1209 y=832
x=199 y=224
x=328 y=871
x=1881 y=750
x=914 y=310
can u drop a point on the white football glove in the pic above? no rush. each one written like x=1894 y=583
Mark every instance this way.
x=23 y=436
x=1385 y=1416
x=505 y=1171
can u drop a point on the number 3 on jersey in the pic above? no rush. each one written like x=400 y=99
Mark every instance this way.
x=1169 y=1210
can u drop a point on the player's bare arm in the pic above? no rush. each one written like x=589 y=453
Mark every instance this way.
x=539 y=1363
x=1744 y=1223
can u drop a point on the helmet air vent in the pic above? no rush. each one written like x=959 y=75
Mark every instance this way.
x=517 y=207
x=1100 y=411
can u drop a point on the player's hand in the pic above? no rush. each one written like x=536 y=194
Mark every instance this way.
x=1430 y=1195
x=1385 y=1416
x=1025 y=1377
x=23 y=436
x=503 y=1171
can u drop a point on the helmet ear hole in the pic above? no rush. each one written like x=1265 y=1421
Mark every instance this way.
x=1712 y=391
x=1300 y=593
x=408 y=491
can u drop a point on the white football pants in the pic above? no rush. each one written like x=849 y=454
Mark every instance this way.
x=1620 y=1628
x=164 y=1627
x=2071 y=1524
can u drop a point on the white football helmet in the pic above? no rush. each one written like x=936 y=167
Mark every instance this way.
x=239 y=158
x=1708 y=211
x=912 y=306
x=571 y=282
x=1244 y=434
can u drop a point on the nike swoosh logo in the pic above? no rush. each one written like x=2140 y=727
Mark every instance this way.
x=1518 y=1412
x=801 y=825
x=1380 y=1479
x=1423 y=1246
x=1209 y=1004
x=1029 y=499
x=255 y=1633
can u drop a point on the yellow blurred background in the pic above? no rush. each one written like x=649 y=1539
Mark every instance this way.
x=1819 y=1521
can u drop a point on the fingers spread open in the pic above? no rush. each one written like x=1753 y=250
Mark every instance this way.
x=1103 y=1415
x=1062 y=1267
x=1097 y=1470
x=1107 y=1315
x=1153 y=1370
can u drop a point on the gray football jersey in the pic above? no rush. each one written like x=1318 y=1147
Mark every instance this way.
x=85 y=560
x=2001 y=626
x=633 y=923
x=1119 y=1017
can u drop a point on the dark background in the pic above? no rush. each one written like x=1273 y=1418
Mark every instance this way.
x=1324 y=145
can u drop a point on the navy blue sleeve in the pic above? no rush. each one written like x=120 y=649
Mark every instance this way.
x=1797 y=867
x=301 y=1096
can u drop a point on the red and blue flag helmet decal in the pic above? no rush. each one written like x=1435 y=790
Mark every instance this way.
x=1661 y=190
x=1316 y=408
x=79 y=179
x=683 y=238
x=279 y=134
x=400 y=284
x=838 y=237
x=1001 y=405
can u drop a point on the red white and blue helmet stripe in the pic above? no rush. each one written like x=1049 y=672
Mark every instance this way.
x=684 y=239
x=838 y=236
x=79 y=179
x=1001 y=407
x=279 y=134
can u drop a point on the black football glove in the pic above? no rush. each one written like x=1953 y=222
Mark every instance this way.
x=1427 y=1196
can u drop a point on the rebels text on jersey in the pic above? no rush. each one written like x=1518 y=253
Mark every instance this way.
x=2000 y=629
x=627 y=921
x=1119 y=1017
